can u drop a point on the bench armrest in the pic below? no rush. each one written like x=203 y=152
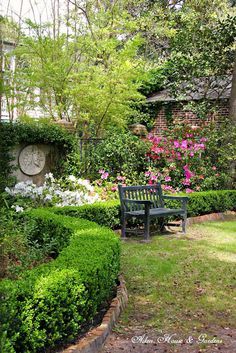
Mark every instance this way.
x=144 y=202
x=183 y=198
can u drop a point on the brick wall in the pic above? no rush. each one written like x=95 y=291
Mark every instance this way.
x=178 y=115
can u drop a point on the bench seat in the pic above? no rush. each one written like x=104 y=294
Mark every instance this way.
x=155 y=212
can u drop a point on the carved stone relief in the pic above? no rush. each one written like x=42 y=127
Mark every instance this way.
x=32 y=160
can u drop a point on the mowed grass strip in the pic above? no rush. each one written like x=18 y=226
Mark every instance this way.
x=183 y=282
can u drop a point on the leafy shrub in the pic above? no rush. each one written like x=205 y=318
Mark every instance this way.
x=51 y=302
x=104 y=213
x=121 y=153
x=200 y=203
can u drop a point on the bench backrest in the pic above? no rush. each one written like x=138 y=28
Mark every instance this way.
x=147 y=192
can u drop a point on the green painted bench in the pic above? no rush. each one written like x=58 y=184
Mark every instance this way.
x=147 y=202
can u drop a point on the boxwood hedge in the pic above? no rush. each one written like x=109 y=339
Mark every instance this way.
x=108 y=213
x=49 y=303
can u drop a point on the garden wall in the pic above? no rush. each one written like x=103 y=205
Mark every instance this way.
x=176 y=113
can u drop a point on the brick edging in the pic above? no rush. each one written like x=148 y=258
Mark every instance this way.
x=95 y=338
x=219 y=216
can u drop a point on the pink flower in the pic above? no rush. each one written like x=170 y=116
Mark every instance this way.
x=214 y=167
x=167 y=178
x=147 y=174
x=184 y=144
x=167 y=187
x=157 y=149
x=114 y=188
x=188 y=191
x=101 y=171
x=188 y=174
x=179 y=156
x=199 y=146
x=154 y=177
x=191 y=154
x=121 y=178
x=176 y=144
x=105 y=175
x=186 y=182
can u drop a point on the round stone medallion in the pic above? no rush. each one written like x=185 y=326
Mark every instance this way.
x=31 y=160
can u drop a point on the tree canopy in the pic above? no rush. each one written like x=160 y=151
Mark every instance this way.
x=95 y=64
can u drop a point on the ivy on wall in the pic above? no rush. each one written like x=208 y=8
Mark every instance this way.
x=149 y=111
x=12 y=134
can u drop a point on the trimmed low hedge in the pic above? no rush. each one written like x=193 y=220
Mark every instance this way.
x=200 y=203
x=49 y=303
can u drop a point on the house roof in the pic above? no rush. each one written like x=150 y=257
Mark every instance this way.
x=211 y=88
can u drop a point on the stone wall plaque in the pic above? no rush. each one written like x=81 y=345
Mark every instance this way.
x=32 y=160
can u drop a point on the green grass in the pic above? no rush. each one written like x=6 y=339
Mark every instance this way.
x=183 y=282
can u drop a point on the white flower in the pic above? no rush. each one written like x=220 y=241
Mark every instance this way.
x=72 y=178
x=18 y=208
x=80 y=195
x=49 y=176
x=48 y=197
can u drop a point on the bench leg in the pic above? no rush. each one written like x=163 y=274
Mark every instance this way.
x=147 y=228
x=162 y=224
x=184 y=221
x=123 y=228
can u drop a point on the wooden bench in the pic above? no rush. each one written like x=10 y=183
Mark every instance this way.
x=147 y=202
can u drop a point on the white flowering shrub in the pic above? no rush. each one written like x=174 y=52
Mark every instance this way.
x=70 y=191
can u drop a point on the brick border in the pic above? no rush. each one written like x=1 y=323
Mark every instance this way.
x=220 y=216
x=95 y=338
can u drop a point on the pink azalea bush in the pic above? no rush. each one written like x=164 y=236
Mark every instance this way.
x=107 y=185
x=179 y=159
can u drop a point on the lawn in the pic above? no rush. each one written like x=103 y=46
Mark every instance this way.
x=182 y=283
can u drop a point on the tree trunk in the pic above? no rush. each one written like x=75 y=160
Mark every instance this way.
x=232 y=103
x=232 y=115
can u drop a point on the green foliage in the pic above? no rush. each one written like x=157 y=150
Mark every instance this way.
x=51 y=302
x=121 y=153
x=91 y=75
x=26 y=243
x=104 y=213
x=108 y=213
x=206 y=202
x=12 y=134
